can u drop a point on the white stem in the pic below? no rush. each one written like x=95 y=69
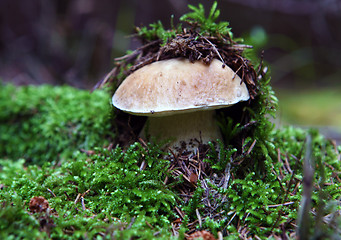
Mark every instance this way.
x=185 y=130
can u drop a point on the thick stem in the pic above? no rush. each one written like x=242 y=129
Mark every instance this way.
x=185 y=130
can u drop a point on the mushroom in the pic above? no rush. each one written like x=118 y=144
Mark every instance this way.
x=180 y=99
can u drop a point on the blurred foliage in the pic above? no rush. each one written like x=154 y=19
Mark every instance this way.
x=73 y=42
x=48 y=123
x=257 y=38
x=311 y=107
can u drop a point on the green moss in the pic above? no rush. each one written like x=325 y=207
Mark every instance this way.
x=205 y=25
x=256 y=187
x=119 y=199
x=266 y=202
x=15 y=223
x=48 y=123
x=115 y=193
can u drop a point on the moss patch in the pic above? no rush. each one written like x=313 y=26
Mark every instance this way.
x=48 y=123
x=96 y=195
x=107 y=192
x=262 y=183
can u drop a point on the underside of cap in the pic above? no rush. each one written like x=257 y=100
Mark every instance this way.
x=176 y=85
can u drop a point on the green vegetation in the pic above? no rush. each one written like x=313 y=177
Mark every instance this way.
x=315 y=107
x=106 y=192
x=111 y=189
x=205 y=25
x=48 y=123
x=55 y=143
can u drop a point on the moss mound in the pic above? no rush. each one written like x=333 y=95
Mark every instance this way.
x=91 y=196
x=48 y=123
x=109 y=192
x=62 y=178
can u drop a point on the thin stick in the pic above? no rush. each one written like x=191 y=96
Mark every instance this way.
x=199 y=217
x=308 y=178
x=83 y=205
x=77 y=198
x=282 y=204
x=215 y=49
x=49 y=190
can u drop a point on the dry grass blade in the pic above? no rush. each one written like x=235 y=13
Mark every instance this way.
x=308 y=178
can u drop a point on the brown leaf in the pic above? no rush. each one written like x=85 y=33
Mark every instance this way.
x=201 y=234
x=38 y=204
x=193 y=178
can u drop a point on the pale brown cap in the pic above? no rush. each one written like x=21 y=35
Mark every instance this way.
x=177 y=85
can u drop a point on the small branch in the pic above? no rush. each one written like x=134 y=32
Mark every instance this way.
x=199 y=217
x=49 y=190
x=216 y=50
x=282 y=204
x=83 y=205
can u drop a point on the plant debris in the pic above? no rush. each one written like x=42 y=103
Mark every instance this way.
x=250 y=188
x=38 y=204
x=198 y=38
x=201 y=235
x=188 y=44
x=194 y=42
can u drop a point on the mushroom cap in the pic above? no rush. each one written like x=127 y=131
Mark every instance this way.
x=177 y=85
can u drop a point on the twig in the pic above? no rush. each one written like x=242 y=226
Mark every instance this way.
x=282 y=204
x=67 y=196
x=86 y=192
x=235 y=73
x=215 y=49
x=49 y=190
x=251 y=147
x=220 y=236
x=77 y=198
x=83 y=205
x=288 y=188
x=199 y=217
x=179 y=212
x=235 y=213
x=143 y=165
x=131 y=222
x=101 y=83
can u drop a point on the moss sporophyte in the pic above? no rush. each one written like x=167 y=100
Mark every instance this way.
x=239 y=178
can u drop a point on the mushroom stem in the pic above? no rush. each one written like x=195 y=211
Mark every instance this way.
x=185 y=130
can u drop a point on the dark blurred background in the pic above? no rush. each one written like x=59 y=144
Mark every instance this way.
x=75 y=42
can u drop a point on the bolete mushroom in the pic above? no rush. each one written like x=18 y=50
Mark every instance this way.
x=180 y=99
